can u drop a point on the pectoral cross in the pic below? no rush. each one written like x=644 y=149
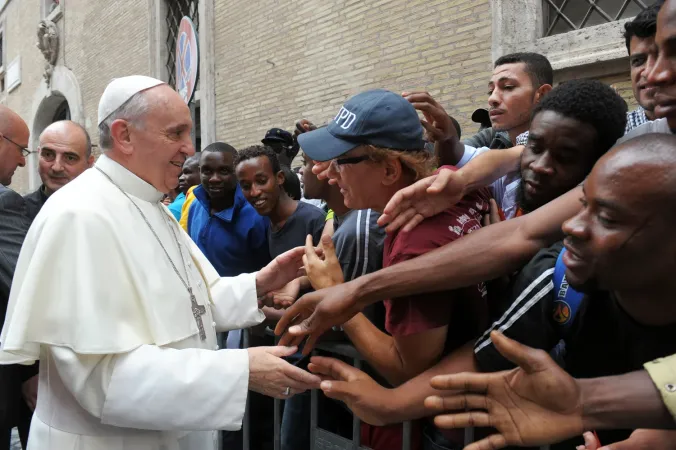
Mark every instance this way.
x=197 y=312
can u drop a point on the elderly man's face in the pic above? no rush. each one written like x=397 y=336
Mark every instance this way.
x=62 y=155
x=161 y=141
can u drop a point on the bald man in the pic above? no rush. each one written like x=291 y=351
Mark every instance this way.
x=65 y=152
x=14 y=225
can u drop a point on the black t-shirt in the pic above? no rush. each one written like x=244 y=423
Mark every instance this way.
x=602 y=340
x=306 y=219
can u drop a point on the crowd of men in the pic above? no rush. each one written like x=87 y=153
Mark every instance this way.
x=515 y=282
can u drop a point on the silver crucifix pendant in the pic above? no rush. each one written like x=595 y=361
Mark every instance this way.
x=198 y=311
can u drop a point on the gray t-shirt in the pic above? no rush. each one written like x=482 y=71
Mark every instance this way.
x=660 y=126
x=306 y=219
x=359 y=242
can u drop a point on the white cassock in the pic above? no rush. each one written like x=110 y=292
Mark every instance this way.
x=96 y=300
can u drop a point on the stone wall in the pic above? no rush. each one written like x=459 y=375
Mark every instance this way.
x=99 y=40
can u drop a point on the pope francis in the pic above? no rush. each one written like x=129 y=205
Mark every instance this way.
x=121 y=308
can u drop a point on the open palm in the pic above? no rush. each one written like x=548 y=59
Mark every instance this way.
x=535 y=404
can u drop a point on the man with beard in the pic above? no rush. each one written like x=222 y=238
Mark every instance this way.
x=639 y=35
x=190 y=177
x=619 y=251
x=65 y=151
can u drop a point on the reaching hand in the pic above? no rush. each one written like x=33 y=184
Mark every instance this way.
x=303 y=126
x=270 y=375
x=280 y=271
x=366 y=398
x=322 y=273
x=321 y=169
x=423 y=199
x=437 y=121
x=537 y=403
x=284 y=297
x=315 y=313
x=639 y=440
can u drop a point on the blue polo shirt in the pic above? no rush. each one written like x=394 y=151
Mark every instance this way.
x=233 y=240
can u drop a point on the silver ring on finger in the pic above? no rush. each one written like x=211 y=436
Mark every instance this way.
x=287 y=392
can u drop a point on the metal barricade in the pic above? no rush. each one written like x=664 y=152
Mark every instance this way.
x=321 y=439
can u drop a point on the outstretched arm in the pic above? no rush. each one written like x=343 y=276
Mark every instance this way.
x=429 y=196
x=538 y=403
x=485 y=254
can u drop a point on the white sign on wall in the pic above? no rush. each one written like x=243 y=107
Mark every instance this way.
x=13 y=74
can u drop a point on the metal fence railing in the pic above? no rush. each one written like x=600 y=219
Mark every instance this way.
x=321 y=439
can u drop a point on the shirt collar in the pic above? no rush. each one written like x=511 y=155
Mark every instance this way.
x=128 y=181
x=227 y=214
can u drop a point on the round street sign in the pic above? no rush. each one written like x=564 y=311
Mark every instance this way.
x=187 y=59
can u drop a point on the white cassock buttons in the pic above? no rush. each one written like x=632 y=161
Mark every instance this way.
x=213 y=324
x=189 y=263
x=216 y=347
x=199 y=283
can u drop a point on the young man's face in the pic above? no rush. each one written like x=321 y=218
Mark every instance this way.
x=312 y=186
x=622 y=239
x=511 y=97
x=558 y=156
x=662 y=74
x=640 y=51
x=190 y=175
x=260 y=185
x=217 y=174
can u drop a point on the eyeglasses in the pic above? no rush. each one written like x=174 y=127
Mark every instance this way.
x=24 y=151
x=354 y=160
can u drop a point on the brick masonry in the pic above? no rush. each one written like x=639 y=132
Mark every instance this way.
x=276 y=60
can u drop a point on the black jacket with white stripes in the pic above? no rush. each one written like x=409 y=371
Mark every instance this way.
x=602 y=340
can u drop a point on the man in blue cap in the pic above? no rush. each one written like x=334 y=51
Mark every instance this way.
x=376 y=147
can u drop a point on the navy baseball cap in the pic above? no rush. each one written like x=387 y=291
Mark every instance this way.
x=378 y=117
x=278 y=135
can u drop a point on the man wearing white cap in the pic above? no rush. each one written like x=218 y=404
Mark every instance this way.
x=122 y=309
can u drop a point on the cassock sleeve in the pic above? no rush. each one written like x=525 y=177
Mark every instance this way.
x=156 y=388
x=235 y=303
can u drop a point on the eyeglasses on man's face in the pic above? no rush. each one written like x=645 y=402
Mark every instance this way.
x=338 y=163
x=24 y=151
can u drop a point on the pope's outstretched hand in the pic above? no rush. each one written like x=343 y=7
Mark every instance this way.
x=270 y=375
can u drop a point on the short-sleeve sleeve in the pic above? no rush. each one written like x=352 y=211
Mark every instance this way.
x=663 y=373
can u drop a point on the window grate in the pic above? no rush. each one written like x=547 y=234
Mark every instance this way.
x=562 y=16
x=176 y=9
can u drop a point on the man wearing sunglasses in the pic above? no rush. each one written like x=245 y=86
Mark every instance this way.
x=65 y=152
x=18 y=384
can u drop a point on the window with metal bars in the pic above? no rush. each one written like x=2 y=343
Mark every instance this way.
x=176 y=9
x=562 y=16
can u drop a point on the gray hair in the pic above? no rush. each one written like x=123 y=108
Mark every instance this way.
x=133 y=110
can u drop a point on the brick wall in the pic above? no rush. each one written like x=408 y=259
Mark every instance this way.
x=278 y=61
